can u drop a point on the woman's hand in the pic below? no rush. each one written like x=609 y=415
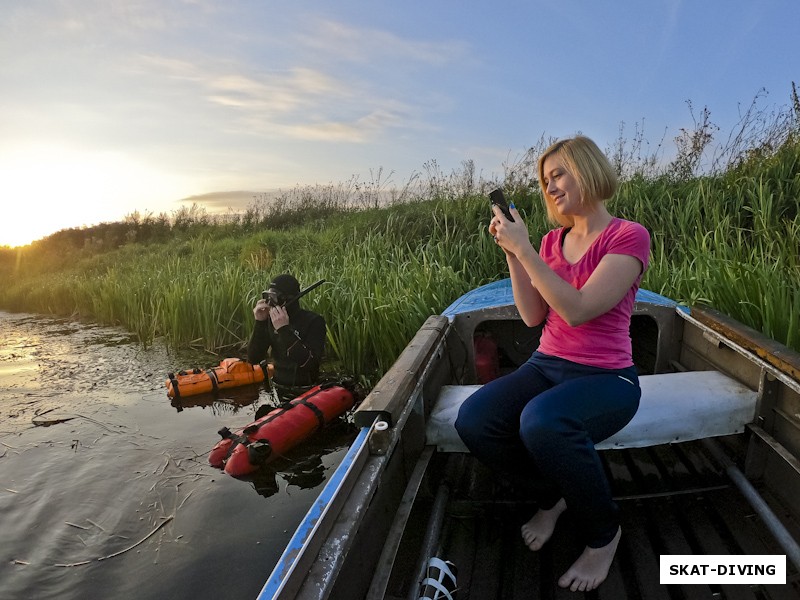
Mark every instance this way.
x=512 y=237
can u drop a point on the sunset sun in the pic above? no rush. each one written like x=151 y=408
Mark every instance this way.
x=49 y=188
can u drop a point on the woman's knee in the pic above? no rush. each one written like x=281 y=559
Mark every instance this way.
x=537 y=433
x=476 y=415
x=544 y=430
x=467 y=424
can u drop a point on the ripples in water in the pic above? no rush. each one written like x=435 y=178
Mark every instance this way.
x=105 y=488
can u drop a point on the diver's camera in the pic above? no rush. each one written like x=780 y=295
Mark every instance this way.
x=272 y=297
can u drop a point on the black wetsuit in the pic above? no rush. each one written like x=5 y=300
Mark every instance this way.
x=296 y=348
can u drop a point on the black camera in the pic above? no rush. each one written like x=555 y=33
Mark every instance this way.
x=498 y=199
x=273 y=297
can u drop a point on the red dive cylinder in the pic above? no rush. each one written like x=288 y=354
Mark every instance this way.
x=242 y=452
x=231 y=372
x=487 y=362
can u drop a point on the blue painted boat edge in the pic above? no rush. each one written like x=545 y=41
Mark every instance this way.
x=499 y=293
x=305 y=530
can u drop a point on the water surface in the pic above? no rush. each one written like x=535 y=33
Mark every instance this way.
x=95 y=458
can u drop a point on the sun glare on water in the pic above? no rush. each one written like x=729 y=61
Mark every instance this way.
x=48 y=188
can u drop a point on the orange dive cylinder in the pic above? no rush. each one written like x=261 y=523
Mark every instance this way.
x=281 y=429
x=231 y=372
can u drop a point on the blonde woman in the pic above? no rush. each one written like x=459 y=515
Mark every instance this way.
x=540 y=423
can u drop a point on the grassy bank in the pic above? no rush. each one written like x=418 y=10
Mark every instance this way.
x=387 y=270
x=728 y=240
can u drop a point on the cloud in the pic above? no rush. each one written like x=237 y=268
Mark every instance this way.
x=223 y=95
x=281 y=92
x=216 y=202
x=358 y=131
x=364 y=45
x=319 y=103
x=99 y=17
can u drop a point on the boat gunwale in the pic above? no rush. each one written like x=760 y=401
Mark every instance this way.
x=316 y=516
x=295 y=552
x=786 y=378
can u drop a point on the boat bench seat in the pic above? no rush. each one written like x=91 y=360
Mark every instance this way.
x=675 y=407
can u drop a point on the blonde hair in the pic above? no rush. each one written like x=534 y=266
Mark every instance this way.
x=588 y=165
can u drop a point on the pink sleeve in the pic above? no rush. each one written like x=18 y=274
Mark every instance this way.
x=632 y=240
x=549 y=243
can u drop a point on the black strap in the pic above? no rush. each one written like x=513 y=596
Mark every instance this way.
x=175 y=391
x=212 y=374
x=286 y=406
x=317 y=412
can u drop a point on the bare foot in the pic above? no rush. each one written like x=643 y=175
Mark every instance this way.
x=591 y=568
x=541 y=526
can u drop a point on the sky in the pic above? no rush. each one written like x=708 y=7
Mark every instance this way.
x=109 y=107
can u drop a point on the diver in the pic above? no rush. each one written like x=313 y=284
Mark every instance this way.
x=295 y=336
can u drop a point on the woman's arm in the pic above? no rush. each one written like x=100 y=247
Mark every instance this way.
x=605 y=288
x=530 y=304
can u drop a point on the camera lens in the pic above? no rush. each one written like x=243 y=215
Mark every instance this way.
x=274 y=298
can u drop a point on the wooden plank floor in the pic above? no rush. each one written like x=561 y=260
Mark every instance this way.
x=673 y=500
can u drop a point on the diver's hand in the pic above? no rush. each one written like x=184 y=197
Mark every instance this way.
x=279 y=316
x=261 y=310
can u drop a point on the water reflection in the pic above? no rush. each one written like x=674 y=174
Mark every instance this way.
x=227 y=402
x=303 y=467
x=94 y=457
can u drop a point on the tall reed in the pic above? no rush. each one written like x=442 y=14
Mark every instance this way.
x=728 y=240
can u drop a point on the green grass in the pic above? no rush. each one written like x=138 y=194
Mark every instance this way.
x=729 y=241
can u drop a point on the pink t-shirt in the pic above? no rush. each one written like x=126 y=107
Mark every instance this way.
x=604 y=341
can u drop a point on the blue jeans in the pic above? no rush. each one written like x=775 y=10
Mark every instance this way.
x=539 y=426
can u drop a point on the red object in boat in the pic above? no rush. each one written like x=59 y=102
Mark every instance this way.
x=283 y=428
x=487 y=362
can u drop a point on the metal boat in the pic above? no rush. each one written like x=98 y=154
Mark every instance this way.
x=709 y=465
